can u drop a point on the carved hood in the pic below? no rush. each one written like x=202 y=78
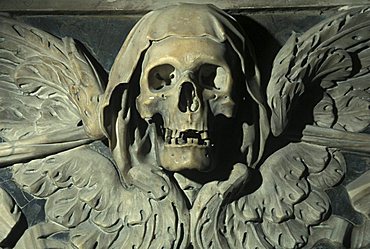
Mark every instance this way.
x=199 y=21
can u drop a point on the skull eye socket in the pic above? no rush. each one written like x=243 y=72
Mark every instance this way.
x=161 y=76
x=212 y=76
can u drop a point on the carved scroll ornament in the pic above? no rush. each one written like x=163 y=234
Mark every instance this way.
x=190 y=161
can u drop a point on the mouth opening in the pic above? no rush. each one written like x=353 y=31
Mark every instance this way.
x=172 y=136
x=186 y=137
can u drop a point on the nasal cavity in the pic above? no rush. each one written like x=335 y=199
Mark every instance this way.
x=188 y=101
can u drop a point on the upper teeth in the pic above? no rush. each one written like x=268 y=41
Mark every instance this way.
x=186 y=137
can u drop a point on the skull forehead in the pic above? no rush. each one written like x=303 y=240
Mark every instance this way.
x=185 y=53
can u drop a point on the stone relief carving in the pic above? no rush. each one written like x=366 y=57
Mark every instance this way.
x=10 y=215
x=201 y=154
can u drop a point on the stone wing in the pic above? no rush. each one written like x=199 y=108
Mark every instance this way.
x=279 y=208
x=319 y=94
x=88 y=206
x=49 y=93
x=330 y=61
x=80 y=187
x=290 y=200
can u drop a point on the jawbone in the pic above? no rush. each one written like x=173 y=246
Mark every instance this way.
x=181 y=157
x=185 y=150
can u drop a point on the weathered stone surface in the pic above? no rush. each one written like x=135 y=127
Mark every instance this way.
x=10 y=215
x=359 y=193
x=202 y=151
x=144 y=6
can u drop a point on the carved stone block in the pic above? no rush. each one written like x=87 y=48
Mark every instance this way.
x=186 y=144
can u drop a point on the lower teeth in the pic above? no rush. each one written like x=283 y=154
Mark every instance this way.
x=180 y=138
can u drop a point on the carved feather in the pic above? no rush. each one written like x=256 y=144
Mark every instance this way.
x=47 y=86
x=85 y=196
x=10 y=216
x=291 y=198
x=333 y=55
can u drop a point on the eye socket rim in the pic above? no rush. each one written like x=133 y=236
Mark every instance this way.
x=166 y=78
x=215 y=68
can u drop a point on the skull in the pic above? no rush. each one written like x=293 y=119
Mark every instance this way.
x=187 y=80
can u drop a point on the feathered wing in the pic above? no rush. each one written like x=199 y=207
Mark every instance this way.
x=49 y=93
x=86 y=201
x=49 y=110
x=290 y=208
x=331 y=61
x=10 y=217
x=281 y=213
x=290 y=200
x=334 y=58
